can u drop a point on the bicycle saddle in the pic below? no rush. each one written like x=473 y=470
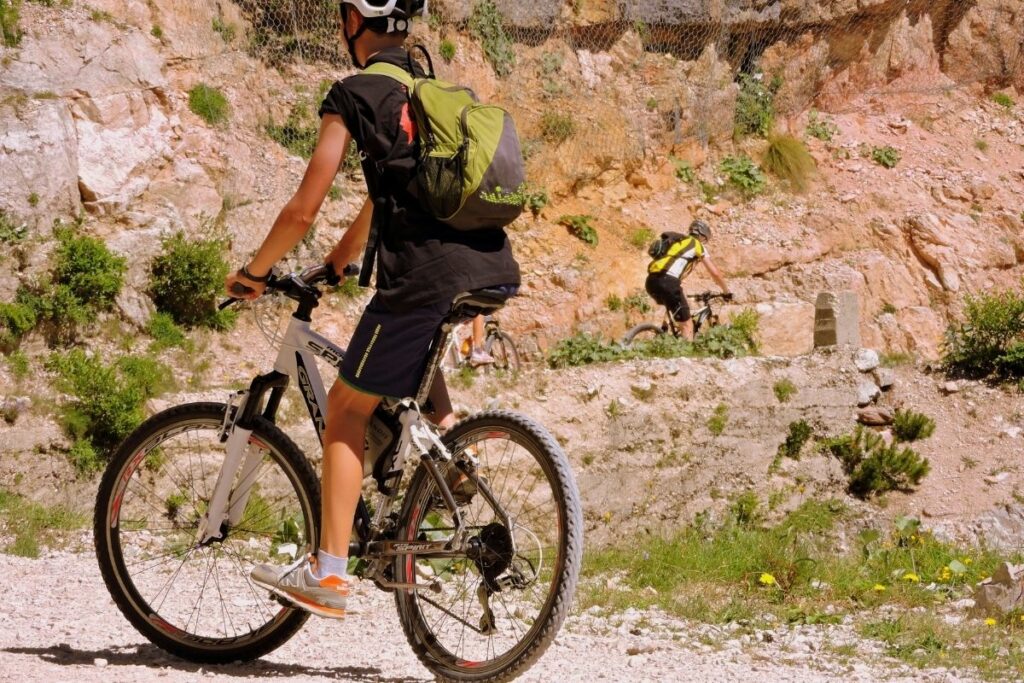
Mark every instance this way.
x=479 y=301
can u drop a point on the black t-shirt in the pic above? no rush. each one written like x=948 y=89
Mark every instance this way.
x=420 y=260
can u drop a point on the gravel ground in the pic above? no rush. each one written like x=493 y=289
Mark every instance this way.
x=69 y=629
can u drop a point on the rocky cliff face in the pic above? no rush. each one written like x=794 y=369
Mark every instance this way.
x=95 y=117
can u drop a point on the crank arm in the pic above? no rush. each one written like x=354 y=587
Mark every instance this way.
x=426 y=549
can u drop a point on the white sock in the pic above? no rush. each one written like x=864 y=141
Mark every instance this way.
x=328 y=565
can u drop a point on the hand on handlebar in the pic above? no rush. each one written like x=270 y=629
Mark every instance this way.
x=237 y=286
x=727 y=296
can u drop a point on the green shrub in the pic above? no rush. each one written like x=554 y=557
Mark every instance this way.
x=209 y=104
x=33 y=199
x=989 y=341
x=788 y=159
x=11 y=230
x=447 y=50
x=684 y=171
x=556 y=128
x=156 y=32
x=1003 y=100
x=799 y=433
x=784 y=389
x=909 y=426
x=651 y=104
x=719 y=419
x=745 y=510
x=613 y=302
x=29 y=523
x=641 y=238
x=107 y=400
x=536 y=200
x=487 y=26
x=89 y=270
x=584 y=349
x=873 y=467
x=10 y=15
x=755 y=105
x=887 y=157
x=85 y=280
x=743 y=175
x=186 y=278
x=19 y=365
x=820 y=128
x=165 y=332
x=580 y=228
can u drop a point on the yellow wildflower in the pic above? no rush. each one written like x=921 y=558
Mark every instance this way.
x=766 y=579
x=912 y=577
x=990 y=622
x=878 y=588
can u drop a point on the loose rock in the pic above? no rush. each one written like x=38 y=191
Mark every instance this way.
x=866 y=360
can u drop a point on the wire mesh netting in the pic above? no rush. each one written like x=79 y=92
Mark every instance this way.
x=595 y=84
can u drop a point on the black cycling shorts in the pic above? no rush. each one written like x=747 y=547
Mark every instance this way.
x=668 y=292
x=388 y=353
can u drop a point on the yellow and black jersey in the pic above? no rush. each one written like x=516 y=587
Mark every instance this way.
x=680 y=259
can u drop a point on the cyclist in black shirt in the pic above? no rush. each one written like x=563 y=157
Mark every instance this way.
x=421 y=265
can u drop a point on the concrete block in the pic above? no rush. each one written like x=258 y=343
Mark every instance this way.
x=837 y=319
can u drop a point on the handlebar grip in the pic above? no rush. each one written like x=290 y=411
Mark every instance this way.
x=351 y=270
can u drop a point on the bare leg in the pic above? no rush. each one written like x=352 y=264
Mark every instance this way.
x=443 y=415
x=478 y=332
x=348 y=412
x=686 y=328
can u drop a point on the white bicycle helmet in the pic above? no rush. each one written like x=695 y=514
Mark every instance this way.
x=400 y=9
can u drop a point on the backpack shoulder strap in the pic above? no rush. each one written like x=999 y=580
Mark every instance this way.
x=391 y=71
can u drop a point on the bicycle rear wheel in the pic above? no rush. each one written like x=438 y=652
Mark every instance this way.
x=528 y=561
x=196 y=600
x=642 y=332
x=504 y=352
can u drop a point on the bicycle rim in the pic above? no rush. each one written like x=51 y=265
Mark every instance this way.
x=641 y=333
x=196 y=600
x=445 y=619
x=501 y=348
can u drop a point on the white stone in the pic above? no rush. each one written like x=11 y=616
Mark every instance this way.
x=866 y=360
x=867 y=391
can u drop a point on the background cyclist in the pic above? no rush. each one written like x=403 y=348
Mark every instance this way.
x=665 y=274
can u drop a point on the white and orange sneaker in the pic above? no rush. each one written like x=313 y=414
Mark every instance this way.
x=299 y=584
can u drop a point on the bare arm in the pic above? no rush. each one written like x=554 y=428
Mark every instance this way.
x=716 y=275
x=352 y=242
x=298 y=214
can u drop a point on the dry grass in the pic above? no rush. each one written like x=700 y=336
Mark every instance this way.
x=787 y=158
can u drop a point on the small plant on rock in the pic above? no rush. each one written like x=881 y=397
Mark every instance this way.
x=743 y=175
x=719 y=419
x=990 y=341
x=1003 y=100
x=784 y=389
x=556 y=128
x=10 y=31
x=886 y=157
x=755 y=104
x=909 y=426
x=799 y=433
x=821 y=128
x=641 y=238
x=579 y=227
x=209 y=104
x=487 y=26
x=447 y=50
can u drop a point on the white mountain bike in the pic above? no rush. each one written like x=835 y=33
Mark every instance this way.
x=478 y=533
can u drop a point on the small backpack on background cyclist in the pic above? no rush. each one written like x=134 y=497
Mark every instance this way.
x=659 y=247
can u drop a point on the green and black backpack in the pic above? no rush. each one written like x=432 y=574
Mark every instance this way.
x=470 y=172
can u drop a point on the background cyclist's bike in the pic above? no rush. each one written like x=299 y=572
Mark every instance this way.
x=496 y=342
x=479 y=533
x=704 y=317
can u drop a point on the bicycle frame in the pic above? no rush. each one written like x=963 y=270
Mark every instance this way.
x=296 y=361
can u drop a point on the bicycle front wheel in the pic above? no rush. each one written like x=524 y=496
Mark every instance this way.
x=504 y=352
x=641 y=333
x=489 y=614
x=193 y=599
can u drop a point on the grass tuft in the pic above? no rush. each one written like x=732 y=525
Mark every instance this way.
x=787 y=158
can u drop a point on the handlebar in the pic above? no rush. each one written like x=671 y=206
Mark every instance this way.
x=294 y=285
x=707 y=297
